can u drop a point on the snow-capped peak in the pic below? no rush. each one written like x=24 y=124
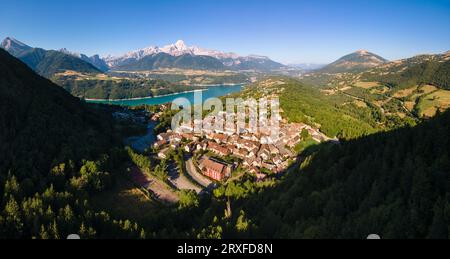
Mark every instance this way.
x=180 y=48
x=177 y=49
x=181 y=45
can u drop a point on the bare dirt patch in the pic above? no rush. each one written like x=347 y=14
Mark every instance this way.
x=328 y=91
x=345 y=88
x=410 y=105
x=366 y=85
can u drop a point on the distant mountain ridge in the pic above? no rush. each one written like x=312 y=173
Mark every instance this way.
x=13 y=46
x=232 y=61
x=95 y=60
x=47 y=62
x=307 y=66
x=354 y=62
x=177 y=55
x=163 y=60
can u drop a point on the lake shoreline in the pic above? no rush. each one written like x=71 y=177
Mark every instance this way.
x=164 y=95
x=206 y=93
x=212 y=85
x=143 y=98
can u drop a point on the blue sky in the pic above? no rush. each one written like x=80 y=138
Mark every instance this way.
x=286 y=30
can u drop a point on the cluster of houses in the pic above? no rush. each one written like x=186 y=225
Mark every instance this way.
x=259 y=152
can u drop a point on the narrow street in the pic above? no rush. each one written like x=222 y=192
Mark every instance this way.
x=180 y=181
x=198 y=177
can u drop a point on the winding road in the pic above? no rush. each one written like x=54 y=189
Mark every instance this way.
x=198 y=177
x=180 y=181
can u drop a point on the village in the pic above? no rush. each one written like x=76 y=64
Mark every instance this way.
x=217 y=153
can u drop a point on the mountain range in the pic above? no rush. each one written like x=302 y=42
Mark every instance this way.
x=177 y=55
x=95 y=60
x=47 y=62
x=180 y=56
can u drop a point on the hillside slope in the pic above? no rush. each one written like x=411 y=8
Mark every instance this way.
x=354 y=62
x=49 y=62
x=33 y=106
x=55 y=152
x=395 y=184
x=424 y=69
x=46 y=62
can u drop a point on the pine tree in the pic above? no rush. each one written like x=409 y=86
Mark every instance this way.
x=142 y=235
x=43 y=234
x=13 y=220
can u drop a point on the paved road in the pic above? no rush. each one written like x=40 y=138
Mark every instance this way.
x=198 y=177
x=180 y=181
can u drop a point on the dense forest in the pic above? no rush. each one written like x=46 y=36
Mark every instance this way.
x=307 y=104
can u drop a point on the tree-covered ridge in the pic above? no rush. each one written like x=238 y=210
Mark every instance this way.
x=49 y=62
x=307 y=104
x=105 y=87
x=56 y=151
x=419 y=70
x=395 y=184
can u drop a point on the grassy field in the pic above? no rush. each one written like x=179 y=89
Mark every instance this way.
x=405 y=92
x=428 y=105
x=421 y=91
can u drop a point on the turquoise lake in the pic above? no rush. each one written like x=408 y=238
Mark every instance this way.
x=210 y=92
